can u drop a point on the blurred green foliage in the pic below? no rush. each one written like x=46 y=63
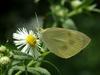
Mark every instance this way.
x=57 y=13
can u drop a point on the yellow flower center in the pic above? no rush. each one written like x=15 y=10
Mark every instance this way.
x=31 y=40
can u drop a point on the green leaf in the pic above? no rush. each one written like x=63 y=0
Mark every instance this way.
x=40 y=70
x=21 y=68
x=16 y=62
x=68 y=23
x=21 y=56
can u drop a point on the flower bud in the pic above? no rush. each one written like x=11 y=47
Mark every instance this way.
x=2 y=48
x=59 y=11
x=4 y=60
x=91 y=7
x=76 y=3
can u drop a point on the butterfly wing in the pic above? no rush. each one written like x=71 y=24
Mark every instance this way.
x=64 y=43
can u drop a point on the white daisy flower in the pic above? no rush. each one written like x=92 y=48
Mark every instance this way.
x=28 y=41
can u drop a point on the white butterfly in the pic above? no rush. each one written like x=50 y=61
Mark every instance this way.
x=64 y=43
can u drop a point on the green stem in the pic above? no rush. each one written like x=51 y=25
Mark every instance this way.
x=45 y=53
x=31 y=62
x=96 y=10
x=43 y=56
x=26 y=73
x=1 y=71
x=19 y=72
x=72 y=13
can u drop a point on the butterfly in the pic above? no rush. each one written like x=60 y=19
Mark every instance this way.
x=64 y=43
